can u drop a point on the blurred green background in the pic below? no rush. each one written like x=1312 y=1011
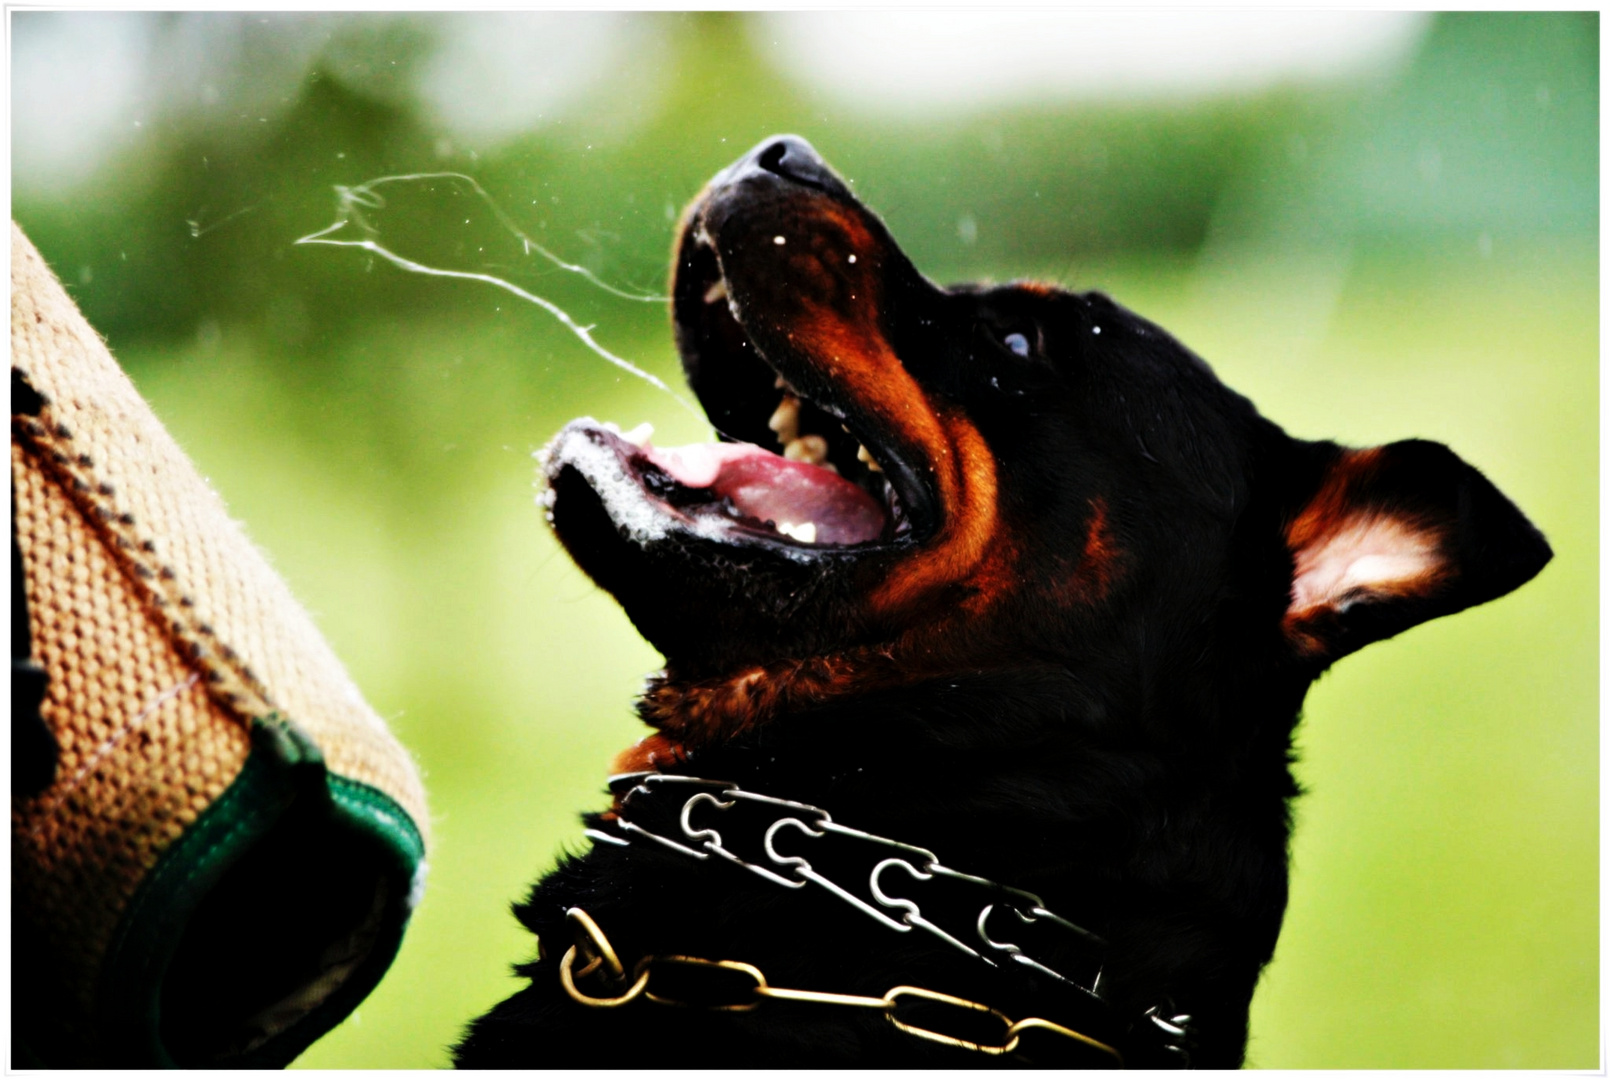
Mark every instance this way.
x=1401 y=245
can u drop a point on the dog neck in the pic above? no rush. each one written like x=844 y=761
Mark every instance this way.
x=1027 y=700
x=695 y=715
x=707 y=712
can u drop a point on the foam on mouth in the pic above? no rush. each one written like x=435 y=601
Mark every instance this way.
x=618 y=490
x=806 y=502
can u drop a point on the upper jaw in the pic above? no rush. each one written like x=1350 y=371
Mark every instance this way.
x=778 y=296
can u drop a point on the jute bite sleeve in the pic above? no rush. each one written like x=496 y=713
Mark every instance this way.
x=216 y=844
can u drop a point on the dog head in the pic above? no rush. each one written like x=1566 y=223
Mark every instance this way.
x=918 y=483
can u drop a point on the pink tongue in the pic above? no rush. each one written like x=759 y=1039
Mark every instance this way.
x=767 y=487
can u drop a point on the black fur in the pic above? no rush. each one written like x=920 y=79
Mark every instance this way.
x=1099 y=711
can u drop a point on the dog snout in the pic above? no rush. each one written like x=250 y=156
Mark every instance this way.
x=790 y=158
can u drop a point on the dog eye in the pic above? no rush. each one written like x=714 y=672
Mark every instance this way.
x=1017 y=343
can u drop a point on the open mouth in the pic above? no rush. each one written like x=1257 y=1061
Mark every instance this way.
x=802 y=471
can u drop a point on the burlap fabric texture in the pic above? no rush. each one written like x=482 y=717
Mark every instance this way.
x=218 y=845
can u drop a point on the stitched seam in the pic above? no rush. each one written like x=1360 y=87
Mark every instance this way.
x=357 y=794
x=228 y=680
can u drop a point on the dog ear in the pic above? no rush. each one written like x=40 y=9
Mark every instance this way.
x=1395 y=535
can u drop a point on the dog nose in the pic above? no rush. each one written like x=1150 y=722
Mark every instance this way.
x=792 y=158
x=789 y=157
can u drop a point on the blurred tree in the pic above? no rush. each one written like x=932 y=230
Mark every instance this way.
x=203 y=237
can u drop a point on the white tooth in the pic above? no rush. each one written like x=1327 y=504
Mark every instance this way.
x=716 y=292
x=639 y=435
x=805 y=533
x=811 y=449
x=863 y=454
x=785 y=421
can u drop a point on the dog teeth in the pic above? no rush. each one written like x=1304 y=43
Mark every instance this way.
x=864 y=455
x=811 y=449
x=785 y=421
x=805 y=533
x=639 y=435
x=717 y=292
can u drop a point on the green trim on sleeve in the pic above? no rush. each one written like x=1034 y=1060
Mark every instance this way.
x=267 y=922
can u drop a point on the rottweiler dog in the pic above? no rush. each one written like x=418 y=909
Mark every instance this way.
x=986 y=625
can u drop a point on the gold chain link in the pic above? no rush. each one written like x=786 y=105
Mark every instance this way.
x=601 y=963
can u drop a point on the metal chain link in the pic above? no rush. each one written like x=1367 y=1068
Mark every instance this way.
x=601 y=964
x=987 y=932
x=993 y=931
